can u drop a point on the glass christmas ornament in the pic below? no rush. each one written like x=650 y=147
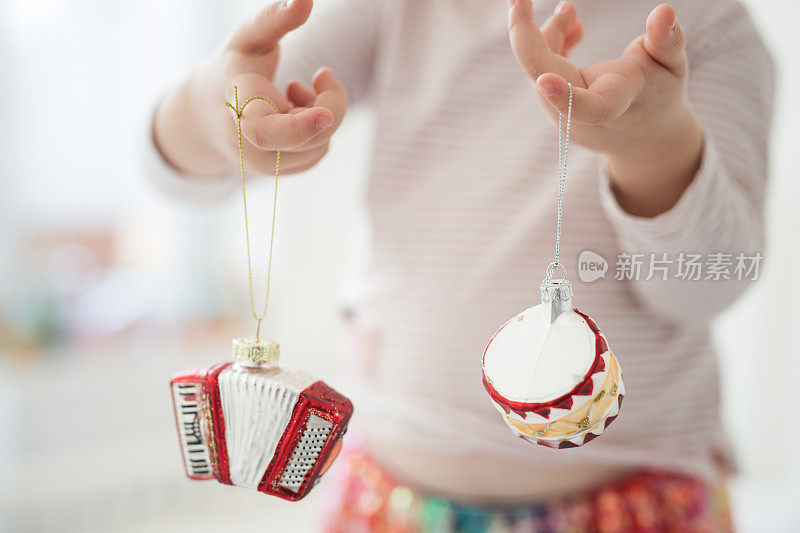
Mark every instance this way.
x=549 y=370
x=254 y=424
x=550 y=373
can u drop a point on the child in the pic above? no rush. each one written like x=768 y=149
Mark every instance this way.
x=669 y=157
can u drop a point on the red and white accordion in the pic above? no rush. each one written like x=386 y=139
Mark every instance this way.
x=254 y=424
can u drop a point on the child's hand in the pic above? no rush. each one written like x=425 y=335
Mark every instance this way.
x=196 y=132
x=633 y=109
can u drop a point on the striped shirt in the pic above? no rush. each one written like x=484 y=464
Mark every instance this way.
x=461 y=202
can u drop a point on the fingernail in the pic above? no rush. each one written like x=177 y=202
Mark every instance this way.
x=548 y=88
x=323 y=122
x=286 y=4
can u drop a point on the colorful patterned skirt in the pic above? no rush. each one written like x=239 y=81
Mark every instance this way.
x=365 y=499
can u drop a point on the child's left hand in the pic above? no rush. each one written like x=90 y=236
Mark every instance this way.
x=633 y=109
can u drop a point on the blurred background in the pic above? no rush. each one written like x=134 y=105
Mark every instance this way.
x=107 y=288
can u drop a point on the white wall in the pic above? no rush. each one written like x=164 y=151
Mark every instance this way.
x=760 y=359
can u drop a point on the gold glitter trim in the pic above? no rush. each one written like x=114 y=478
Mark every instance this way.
x=599 y=396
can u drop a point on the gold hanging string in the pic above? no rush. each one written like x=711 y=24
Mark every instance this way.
x=239 y=110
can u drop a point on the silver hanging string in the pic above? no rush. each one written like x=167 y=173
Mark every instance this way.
x=563 y=149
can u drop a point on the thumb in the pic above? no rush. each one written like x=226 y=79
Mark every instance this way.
x=665 y=41
x=262 y=33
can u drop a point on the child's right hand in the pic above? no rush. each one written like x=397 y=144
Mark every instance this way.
x=196 y=132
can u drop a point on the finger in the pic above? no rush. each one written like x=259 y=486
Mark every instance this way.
x=263 y=162
x=573 y=38
x=664 y=40
x=252 y=84
x=285 y=131
x=331 y=95
x=605 y=100
x=529 y=45
x=560 y=24
x=299 y=94
x=300 y=161
x=262 y=33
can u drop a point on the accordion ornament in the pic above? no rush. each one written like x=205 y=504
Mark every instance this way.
x=254 y=424
x=550 y=373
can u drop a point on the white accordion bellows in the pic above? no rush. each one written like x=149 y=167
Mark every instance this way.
x=256 y=412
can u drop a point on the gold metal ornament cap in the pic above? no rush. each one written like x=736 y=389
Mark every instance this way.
x=252 y=352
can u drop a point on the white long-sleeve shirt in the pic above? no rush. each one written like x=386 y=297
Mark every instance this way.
x=461 y=197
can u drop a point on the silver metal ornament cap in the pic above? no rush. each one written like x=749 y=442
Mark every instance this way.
x=556 y=297
x=265 y=351
x=556 y=290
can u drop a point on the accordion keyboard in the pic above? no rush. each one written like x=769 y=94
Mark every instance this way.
x=195 y=449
